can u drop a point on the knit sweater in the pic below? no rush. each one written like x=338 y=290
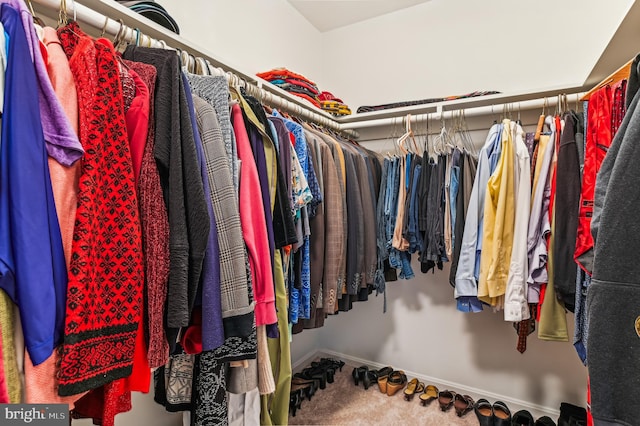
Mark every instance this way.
x=175 y=154
x=155 y=231
x=106 y=276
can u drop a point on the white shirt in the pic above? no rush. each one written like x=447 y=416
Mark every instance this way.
x=516 y=307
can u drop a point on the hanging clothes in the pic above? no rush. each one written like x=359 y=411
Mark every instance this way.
x=613 y=292
x=40 y=383
x=568 y=203
x=516 y=307
x=155 y=230
x=599 y=137
x=498 y=228
x=467 y=275
x=539 y=221
x=175 y=148
x=27 y=193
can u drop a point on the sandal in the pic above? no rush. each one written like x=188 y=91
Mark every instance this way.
x=413 y=387
x=381 y=376
x=430 y=393
x=374 y=375
x=445 y=399
x=396 y=381
x=484 y=412
x=463 y=404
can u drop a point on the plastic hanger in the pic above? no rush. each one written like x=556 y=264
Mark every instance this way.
x=408 y=132
x=409 y=135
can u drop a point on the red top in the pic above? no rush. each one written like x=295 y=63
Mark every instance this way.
x=106 y=275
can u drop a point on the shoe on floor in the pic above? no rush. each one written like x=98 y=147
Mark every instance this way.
x=545 y=421
x=522 y=418
x=484 y=412
x=501 y=414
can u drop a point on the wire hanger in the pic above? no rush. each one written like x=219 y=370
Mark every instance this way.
x=35 y=17
x=426 y=135
x=63 y=18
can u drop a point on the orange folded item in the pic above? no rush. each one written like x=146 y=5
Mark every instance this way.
x=276 y=73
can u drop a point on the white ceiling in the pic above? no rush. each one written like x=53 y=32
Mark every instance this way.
x=327 y=15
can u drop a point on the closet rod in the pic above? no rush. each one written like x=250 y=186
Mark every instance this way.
x=255 y=86
x=469 y=112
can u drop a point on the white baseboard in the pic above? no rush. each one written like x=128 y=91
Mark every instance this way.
x=513 y=403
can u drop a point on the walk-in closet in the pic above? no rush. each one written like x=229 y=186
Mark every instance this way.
x=319 y=212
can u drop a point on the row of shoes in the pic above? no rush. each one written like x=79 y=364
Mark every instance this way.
x=570 y=415
x=390 y=381
x=498 y=414
x=307 y=382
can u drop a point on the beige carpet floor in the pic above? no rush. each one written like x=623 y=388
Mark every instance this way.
x=343 y=403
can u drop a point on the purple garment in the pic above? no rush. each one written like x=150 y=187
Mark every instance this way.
x=212 y=328
x=33 y=270
x=61 y=141
x=285 y=154
x=261 y=163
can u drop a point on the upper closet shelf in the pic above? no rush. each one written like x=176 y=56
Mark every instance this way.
x=436 y=109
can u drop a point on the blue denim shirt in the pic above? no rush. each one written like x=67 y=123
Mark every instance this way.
x=300 y=304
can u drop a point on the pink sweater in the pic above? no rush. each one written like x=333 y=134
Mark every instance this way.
x=254 y=225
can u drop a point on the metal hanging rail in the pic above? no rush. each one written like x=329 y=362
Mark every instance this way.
x=104 y=16
x=438 y=112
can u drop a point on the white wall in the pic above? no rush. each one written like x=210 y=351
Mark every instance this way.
x=422 y=332
x=255 y=36
x=451 y=47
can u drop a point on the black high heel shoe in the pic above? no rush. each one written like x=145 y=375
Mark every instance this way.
x=327 y=367
x=338 y=364
x=361 y=374
x=308 y=387
x=295 y=402
x=314 y=373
